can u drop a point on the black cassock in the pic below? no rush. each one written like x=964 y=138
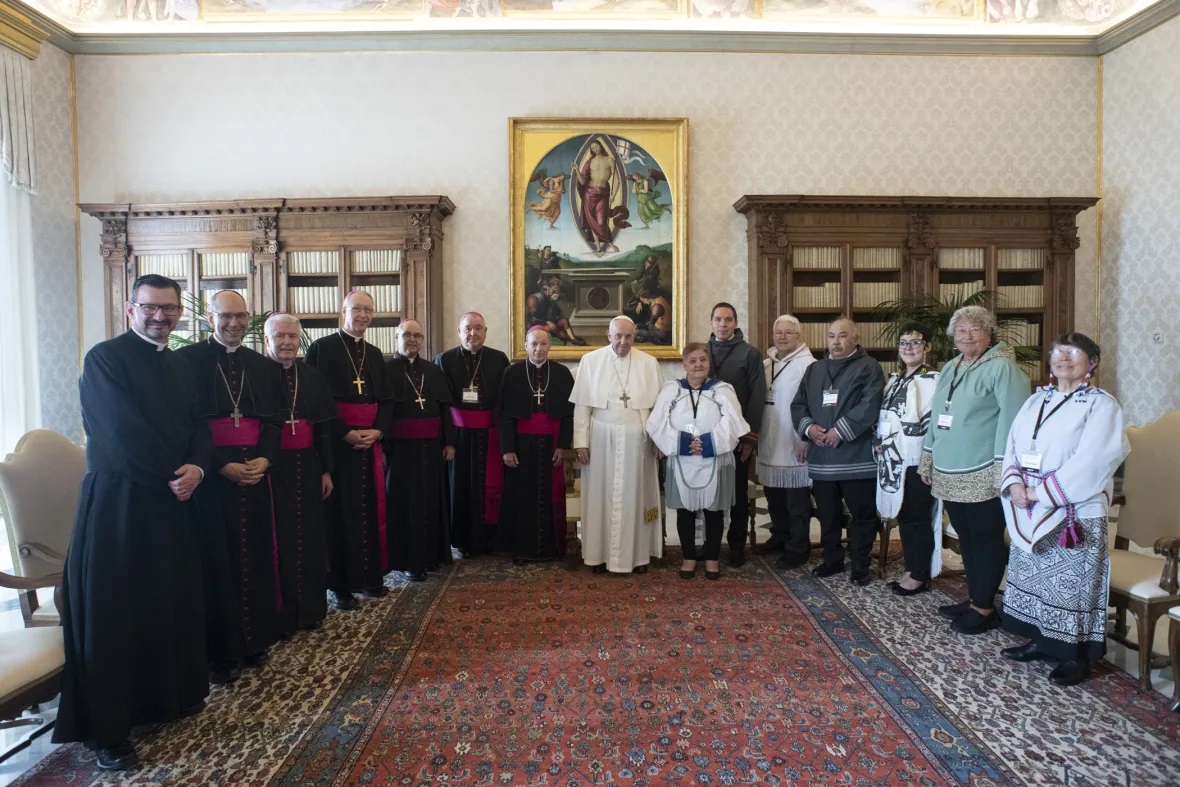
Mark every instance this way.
x=310 y=430
x=358 y=551
x=241 y=573
x=132 y=606
x=418 y=538
x=532 y=514
x=476 y=474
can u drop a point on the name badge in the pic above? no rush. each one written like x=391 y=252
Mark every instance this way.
x=470 y=396
x=1031 y=460
x=769 y=396
x=945 y=420
x=830 y=397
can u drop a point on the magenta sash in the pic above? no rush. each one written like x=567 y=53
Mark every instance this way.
x=303 y=437
x=416 y=428
x=493 y=479
x=362 y=416
x=541 y=423
x=226 y=434
x=247 y=433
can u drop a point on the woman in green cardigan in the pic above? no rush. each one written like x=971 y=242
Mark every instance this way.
x=978 y=395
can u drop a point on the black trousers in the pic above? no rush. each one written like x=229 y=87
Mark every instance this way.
x=915 y=525
x=860 y=494
x=739 y=514
x=790 y=520
x=686 y=528
x=981 y=539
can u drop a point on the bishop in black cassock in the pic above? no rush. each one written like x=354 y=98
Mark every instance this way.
x=302 y=478
x=420 y=442
x=477 y=471
x=132 y=606
x=536 y=430
x=238 y=391
x=358 y=548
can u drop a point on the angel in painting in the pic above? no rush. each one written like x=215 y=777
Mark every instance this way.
x=551 y=191
x=647 y=194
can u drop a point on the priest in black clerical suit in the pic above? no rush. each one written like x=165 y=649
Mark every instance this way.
x=477 y=471
x=132 y=606
x=420 y=442
x=358 y=549
x=536 y=430
x=238 y=391
x=301 y=477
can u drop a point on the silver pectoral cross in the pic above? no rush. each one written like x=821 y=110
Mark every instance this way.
x=237 y=416
x=421 y=402
x=539 y=395
x=292 y=423
x=624 y=398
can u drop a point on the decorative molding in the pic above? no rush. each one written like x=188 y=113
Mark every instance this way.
x=1129 y=29
x=919 y=232
x=20 y=33
x=799 y=202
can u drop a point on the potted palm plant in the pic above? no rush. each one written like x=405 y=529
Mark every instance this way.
x=202 y=328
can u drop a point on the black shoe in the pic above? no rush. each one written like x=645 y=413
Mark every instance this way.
x=256 y=659
x=737 y=557
x=713 y=575
x=223 y=675
x=1070 y=673
x=519 y=561
x=768 y=548
x=952 y=611
x=191 y=710
x=376 y=592
x=688 y=573
x=860 y=578
x=901 y=590
x=119 y=757
x=790 y=562
x=971 y=622
x=639 y=569
x=827 y=570
x=1026 y=652
x=343 y=600
x=419 y=577
x=599 y=569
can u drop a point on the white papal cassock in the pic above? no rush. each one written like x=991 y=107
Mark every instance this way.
x=620 y=486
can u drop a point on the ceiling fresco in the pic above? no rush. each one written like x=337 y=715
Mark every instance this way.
x=991 y=17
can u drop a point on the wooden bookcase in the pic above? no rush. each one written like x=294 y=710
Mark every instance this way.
x=296 y=255
x=822 y=257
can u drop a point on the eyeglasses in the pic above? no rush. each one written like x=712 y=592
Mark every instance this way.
x=361 y=309
x=910 y=344
x=408 y=335
x=150 y=309
x=232 y=315
x=974 y=330
x=785 y=334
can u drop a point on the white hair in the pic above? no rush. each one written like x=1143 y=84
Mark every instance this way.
x=973 y=314
x=280 y=318
x=792 y=319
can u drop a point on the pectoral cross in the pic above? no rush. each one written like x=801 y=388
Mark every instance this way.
x=237 y=416
x=624 y=398
x=539 y=395
x=421 y=402
x=359 y=382
x=292 y=422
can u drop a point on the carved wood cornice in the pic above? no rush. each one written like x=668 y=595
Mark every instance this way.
x=772 y=229
x=1065 y=232
x=797 y=203
x=261 y=207
x=920 y=238
x=20 y=33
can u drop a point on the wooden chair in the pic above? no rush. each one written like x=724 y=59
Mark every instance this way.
x=1146 y=585
x=1174 y=654
x=39 y=485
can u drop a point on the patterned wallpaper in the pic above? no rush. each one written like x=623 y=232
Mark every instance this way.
x=163 y=128
x=1141 y=222
x=53 y=243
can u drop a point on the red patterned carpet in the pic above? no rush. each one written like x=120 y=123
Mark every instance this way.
x=549 y=675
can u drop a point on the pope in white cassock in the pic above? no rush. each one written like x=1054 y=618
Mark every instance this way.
x=614 y=391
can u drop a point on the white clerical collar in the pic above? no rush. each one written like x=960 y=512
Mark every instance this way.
x=160 y=346
x=538 y=365
x=228 y=349
x=351 y=336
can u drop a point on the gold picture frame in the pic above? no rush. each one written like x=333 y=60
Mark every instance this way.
x=598 y=211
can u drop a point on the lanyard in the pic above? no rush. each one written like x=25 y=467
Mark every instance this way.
x=956 y=381
x=695 y=400
x=715 y=367
x=1045 y=419
x=775 y=375
x=901 y=385
x=833 y=377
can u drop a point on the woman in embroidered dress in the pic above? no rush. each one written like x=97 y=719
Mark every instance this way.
x=901 y=429
x=977 y=396
x=696 y=423
x=782 y=455
x=1064 y=447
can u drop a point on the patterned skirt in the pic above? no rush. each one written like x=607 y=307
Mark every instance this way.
x=1057 y=597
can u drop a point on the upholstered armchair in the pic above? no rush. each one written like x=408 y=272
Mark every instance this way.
x=39 y=484
x=31 y=662
x=1143 y=584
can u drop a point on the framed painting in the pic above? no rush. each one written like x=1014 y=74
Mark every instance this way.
x=598 y=213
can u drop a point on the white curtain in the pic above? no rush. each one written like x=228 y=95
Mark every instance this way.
x=20 y=406
x=16 y=120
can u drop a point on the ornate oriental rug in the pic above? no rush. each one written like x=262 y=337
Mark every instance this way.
x=549 y=675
